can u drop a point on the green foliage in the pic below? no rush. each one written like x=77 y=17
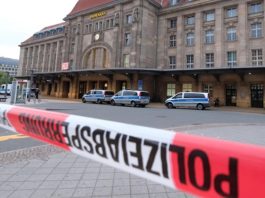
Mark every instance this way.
x=4 y=78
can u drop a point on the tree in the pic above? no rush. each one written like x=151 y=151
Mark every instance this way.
x=4 y=78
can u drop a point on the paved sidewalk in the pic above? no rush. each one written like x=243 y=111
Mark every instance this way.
x=67 y=175
x=46 y=171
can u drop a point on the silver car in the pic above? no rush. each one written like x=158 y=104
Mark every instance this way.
x=97 y=96
x=131 y=97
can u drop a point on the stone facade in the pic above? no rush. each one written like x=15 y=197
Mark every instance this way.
x=215 y=46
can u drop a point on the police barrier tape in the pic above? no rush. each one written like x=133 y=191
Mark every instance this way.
x=202 y=166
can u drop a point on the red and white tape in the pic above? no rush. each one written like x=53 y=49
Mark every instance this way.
x=201 y=166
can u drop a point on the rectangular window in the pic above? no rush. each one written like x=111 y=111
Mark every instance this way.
x=256 y=30
x=172 y=62
x=209 y=36
x=90 y=27
x=231 y=59
x=72 y=48
x=129 y=19
x=255 y=8
x=231 y=12
x=126 y=60
x=190 y=61
x=208 y=88
x=187 y=87
x=127 y=39
x=190 y=20
x=173 y=23
x=209 y=60
x=257 y=58
x=172 y=41
x=190 y=39
x=100 y=26
x=209 y=16
x=231 y=34
x=173 y=2
x=107 y=24
x=96 y=26
x=171 y=89
x=111 y=22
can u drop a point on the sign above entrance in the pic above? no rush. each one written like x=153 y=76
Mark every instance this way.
x=65 y=66
x=97 y=15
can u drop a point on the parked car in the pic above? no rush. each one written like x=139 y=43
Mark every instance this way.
x=198 y=100
x=3 y=91
x=97 y=96
x=131 y=97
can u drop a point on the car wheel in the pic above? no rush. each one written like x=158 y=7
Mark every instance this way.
x=98 y=101
x=200 y=106
x=83 y=100
x=112 y=102
x=170 y=105
x=133 y=104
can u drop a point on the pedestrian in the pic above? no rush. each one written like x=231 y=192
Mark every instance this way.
x=37 y=92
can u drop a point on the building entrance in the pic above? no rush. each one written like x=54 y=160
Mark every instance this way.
x=120 y=85
x=82 y=88
x=231 y=94
x=257 y=94
x=66 y=89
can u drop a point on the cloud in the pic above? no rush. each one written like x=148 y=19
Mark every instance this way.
x=20 y=19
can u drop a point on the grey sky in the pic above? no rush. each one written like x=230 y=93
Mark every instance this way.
x=20 y=19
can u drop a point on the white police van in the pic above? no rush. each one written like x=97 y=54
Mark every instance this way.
x=97 y=96
x=198 y=100
x=131 y=97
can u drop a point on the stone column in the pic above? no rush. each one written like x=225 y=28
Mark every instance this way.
x=44 y=58
x=38 y=59
x=50 y=57
x=242 y=31
x=180 y=46
x=219 y=38
x=57 y=56
x=198 y=40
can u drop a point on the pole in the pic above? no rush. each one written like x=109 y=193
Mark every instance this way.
x=7 y=75
x=30 y=84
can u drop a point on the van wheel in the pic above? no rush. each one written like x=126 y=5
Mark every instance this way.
x=112 y=102
x=170 y=105
x=133 y=104
x=83 y=100
x=98 y=101
x=200 y=106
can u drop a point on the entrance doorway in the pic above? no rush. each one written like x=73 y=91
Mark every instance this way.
x=82 y=88
x=49 y=89
x=121 y=84
x=92 y=85
x=231 y=94
x=103 y=85
x=257 y=95
x=66 y=89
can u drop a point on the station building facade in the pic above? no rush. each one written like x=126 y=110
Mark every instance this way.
x=215 y=46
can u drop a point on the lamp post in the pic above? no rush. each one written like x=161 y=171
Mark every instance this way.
x=7 y=77
x=30 y=84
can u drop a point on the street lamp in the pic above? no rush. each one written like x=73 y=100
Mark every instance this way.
x=7 y=78
x=30 y=84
